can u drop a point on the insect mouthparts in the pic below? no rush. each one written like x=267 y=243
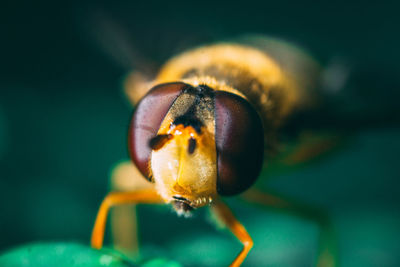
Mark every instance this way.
x=179 y=198
x=182 y=206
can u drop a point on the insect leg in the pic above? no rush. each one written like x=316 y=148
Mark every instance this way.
x=227 y=217
x=126 y=177
x=313 y=146
x=115 y=199
x=327 y=244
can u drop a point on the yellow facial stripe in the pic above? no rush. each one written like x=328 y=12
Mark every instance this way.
x=178 y=169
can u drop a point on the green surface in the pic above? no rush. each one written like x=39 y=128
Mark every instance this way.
x=72 y=255
x=59 y=254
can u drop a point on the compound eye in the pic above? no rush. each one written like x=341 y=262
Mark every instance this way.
x=239 y=138
x=146 y=121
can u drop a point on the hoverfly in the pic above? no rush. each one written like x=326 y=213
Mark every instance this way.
x=202 y=130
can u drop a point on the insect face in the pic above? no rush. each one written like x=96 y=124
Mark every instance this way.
x=172 y=141
x=194 y=142
x=185 y=167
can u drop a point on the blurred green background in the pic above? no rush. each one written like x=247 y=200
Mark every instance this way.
x=64 y=118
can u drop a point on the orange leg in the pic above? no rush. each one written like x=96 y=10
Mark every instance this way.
x=119 y=198
x=327 y=256
x=225 y=214
x=125 y=177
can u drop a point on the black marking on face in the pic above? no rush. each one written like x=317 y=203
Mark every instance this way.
x=192 y=145
x=159 y=141
x=188 y=119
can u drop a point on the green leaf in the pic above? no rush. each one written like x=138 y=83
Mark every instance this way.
x=72 y=255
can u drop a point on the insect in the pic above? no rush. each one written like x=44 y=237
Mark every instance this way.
x=204 y=127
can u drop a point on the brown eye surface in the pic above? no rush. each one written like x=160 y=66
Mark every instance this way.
x=147 y=119
x=240 y=143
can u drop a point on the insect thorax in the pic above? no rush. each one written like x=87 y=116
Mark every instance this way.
x=243 y=70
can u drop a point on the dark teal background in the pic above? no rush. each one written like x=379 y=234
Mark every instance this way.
x=63 y=123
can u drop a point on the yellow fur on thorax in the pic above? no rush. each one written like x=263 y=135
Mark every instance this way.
x=274 y=94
